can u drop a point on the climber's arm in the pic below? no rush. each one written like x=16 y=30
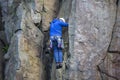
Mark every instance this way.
x=64 y=24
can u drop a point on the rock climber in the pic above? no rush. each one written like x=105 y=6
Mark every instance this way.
x=56 y=41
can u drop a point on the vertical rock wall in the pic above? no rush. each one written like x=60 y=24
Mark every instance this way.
x=115 y=43
x=91 y=24
x=112 y=60
x=3 y=47
x=50 y=10
x=25 y=40
x=93 y=38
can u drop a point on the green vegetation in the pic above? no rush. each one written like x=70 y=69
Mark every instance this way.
x=5 y=49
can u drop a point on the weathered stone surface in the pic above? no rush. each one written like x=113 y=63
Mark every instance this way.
x=91 y=24
x=65 y=9
x=1 y=61
x=2 y=52
x=13 y=12
x=1 y=23
x=3 y=38
x=24 y=55
x=90 y=30
x=109 y=67
x=25 y=39
x=115 y=43
x=111 y=63
x=50 y=10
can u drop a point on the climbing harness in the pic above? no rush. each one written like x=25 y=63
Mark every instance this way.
x=56 y=41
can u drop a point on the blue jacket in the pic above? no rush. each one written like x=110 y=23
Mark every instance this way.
x=56 y=27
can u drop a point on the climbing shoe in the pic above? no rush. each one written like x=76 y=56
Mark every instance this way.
x=60 y=65
x=57 y=65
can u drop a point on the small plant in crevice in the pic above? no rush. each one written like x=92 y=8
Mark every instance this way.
x=5 y=48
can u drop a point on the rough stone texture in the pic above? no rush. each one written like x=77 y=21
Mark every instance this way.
x=91 y=23
x=2 y=52
x=50 y=10
x=14 y=10
x=90 y=30
x=24 y=56
x=25 y=39
x=109 y=67
x=3 y=38
x=111 y=63
x=115 y=43
x=1 y=61
x=65 y=10
x=1 y=24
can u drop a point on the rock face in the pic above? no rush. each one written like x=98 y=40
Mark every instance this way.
x=113 y=57
x=23 y=56
x=50 y=10
x=91 y=41
x=25 y=41
x=91 y=24
x=3 y=46
x=115 y=46
x=1 y=62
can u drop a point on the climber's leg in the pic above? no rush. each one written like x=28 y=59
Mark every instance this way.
x=56 y=55
x=60 y=57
